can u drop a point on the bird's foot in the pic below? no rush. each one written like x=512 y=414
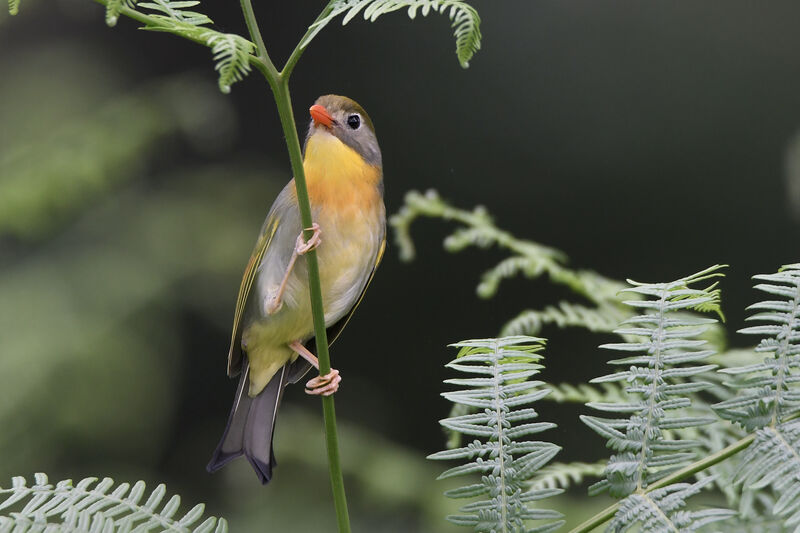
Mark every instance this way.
x=304 y=246
x=324 y=385
x=273 y=301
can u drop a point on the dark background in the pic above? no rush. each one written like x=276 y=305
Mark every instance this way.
x=646 y=140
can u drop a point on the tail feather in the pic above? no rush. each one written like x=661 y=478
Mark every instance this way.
x=251 y=425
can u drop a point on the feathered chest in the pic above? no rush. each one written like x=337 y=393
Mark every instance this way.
x=340 y=183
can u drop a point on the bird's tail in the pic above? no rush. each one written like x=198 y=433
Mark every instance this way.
x=251 y=425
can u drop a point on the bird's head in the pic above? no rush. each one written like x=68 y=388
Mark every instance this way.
x=347 y=121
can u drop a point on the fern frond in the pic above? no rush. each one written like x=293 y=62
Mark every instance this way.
x=94 y=507
x=232 y=56
x=231 y=52
x=114 y=8
x=530 y=258
x=13 y=7
x=465 y=19
x=771 y=387
x=565 y=475
x=177 y=10
x=662 y=370
x=501 y=389
x=773 y=460
x=583 y=393
x=604 y=318
x=662 y=510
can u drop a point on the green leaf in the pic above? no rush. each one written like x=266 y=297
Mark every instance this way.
x=504 y=460
x=660 y=378
x=232 y=55
x=90 y=507
x=465 y=20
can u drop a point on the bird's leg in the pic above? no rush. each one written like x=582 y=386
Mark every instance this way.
x=301 y=247
x=320 y=385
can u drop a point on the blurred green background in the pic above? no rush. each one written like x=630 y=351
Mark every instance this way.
x=645 y=139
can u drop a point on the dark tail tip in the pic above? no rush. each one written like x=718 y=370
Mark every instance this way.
x=263 y=470
x=220 y=459
x=250 y=428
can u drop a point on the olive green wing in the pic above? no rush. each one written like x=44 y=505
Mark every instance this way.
x=262 y=244
x=301 y=366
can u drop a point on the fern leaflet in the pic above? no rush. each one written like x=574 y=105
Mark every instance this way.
x=232 y=56
x=565 y=475
x=774 y=460
x=669 y=340
x=530 y=258
x=176 y=10
x=603 y=318
x=232 y=53
x=770 y=400
x=661 y=510
x=583 y=393
x=772 y=386
x=92 y=506
x=114 y=8
x=13 y=7
x=465 y=19
x=505 y=461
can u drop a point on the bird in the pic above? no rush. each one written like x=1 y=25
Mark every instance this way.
x=272 y=341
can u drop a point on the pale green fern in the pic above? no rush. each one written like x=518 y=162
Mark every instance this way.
x=531 y=259
x=771 y=385
x=13 y=7
x=92 y=506
x=528 y=258
x=232 y=56
x=465 y=19
x=501 y=390
x=232 y=53
x=669 y=351
x=603 y=319
x=662 y=372
x=662 y=511
x=770 y=396
x=115 y=7
x=177 y=10
x=773 y=461
x=583 y=393
x=565 y=475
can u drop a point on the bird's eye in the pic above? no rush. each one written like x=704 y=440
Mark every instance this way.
x=354 y=121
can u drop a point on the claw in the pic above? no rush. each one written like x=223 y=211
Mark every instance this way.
x=302 y=246
x=324 y=385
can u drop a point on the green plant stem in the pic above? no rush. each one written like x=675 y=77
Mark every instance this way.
x=279 y=83
x=255 y=32
x=282 y=99
x=148 y=21
x=688 y=471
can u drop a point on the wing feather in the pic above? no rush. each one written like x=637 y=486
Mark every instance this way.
x=262 y=244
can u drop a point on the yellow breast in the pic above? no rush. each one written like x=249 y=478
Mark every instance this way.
x=338 y=178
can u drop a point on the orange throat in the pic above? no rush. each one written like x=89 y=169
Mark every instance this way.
x=337 y=176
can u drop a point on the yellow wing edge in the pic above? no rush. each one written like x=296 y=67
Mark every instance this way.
x=235 y=350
